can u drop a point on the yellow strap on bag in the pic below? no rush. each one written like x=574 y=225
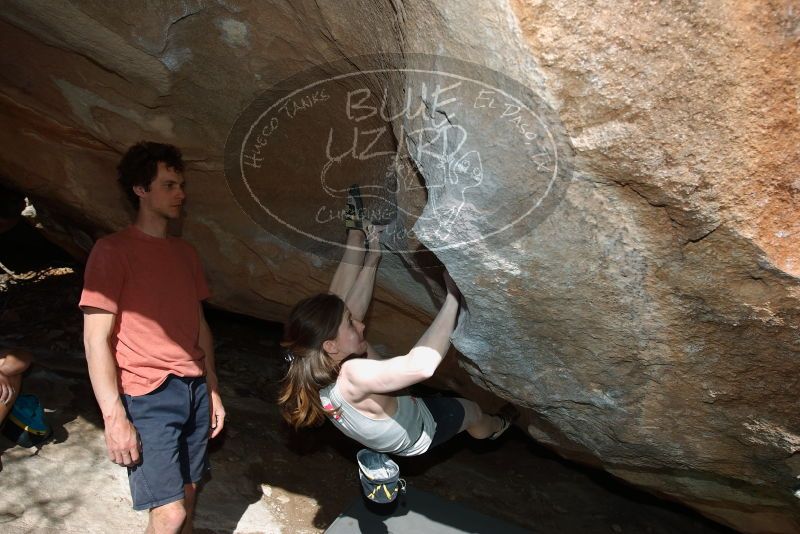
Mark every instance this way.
x=385 y=491
x=25 y=427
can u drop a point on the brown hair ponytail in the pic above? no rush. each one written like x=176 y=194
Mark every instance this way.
x=311 y=322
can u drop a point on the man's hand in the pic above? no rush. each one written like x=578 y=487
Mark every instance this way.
x=6 y=389
x=217 y=414
x=122 y=441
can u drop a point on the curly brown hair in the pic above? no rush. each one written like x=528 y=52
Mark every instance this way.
x=139 y=166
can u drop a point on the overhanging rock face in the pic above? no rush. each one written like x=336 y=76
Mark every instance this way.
x=627 y=249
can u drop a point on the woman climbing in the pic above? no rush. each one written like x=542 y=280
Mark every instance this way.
x=335 y=373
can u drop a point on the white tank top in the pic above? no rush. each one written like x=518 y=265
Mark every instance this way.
x=408 y=432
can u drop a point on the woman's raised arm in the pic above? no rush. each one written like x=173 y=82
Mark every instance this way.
x=350 y=265
x=360 y=294
x=362 y=376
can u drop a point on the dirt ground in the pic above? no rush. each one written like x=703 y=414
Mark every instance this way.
x=266 y=478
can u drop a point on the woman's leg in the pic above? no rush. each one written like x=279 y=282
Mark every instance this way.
x=12 y=364
x=16 y=382
x=454 y=415
x=479 y=425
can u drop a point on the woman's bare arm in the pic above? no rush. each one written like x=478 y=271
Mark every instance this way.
x=360 y=295
x=361 y=376
x=350 y=265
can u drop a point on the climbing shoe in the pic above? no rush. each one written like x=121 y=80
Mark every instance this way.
x=354 y=211
x=508 y=414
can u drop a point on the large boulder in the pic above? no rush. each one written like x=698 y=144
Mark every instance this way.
x=611 y=185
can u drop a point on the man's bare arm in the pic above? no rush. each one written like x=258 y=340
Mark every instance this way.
x=206 y=342
x=121 y=439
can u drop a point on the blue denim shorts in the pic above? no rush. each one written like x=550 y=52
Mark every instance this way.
x=173 y=426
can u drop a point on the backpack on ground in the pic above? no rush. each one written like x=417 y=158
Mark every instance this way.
x=26 y=425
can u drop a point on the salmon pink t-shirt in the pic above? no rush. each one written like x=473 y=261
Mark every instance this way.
x=154 y=286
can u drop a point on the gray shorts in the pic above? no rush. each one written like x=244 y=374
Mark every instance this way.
x=449 y=416
x=173 y=426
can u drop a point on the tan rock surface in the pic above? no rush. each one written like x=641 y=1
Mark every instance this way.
x=649 y=322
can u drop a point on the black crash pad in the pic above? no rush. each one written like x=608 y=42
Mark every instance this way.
x=418 y=512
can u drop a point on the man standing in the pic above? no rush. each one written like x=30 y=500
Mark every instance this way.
x=148 y=347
